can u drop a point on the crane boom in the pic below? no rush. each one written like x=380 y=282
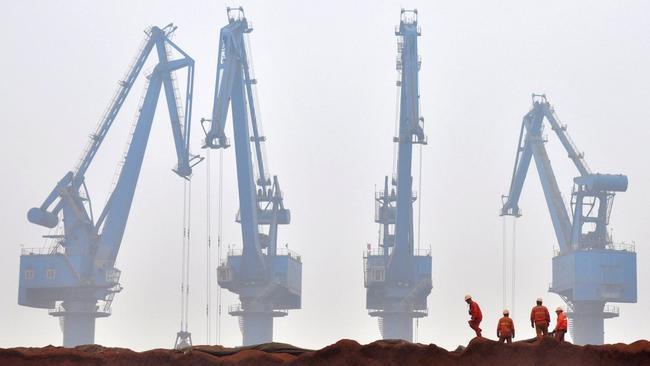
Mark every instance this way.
x=410 y=132
x=77 y=279
x=531 y=144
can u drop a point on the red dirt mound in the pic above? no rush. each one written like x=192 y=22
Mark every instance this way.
x=343 y=353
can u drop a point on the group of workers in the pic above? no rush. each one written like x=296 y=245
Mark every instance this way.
x=539 y=319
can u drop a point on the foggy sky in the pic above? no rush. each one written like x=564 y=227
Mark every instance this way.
x=326 y=73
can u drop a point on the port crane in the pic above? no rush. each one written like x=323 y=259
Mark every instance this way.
x=76 y=278
x=266 y=278
x=589 y=269
x=397 y=279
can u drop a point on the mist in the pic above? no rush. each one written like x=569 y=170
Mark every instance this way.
x=326 y=83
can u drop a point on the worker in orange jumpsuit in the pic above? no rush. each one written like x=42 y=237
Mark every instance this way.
x=540 y=319
x=476 y=315
x=506 y=328
x=561 y=325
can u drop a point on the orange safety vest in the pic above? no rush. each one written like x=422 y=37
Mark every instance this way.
x=506 y=327
x=562 y=323
x=475 y=312
x=540 y=315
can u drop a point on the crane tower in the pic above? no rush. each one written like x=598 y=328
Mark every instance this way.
x=76 y=278
x=266 y=278
x=397 y=279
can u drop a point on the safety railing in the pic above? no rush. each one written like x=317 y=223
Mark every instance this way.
x=380 y=251
x=423 y=252
x=287 y=252
x=627 y=247
x=418 y=312
x=235 y=252
x=43 y=250
x=113 y=275
x=59 y=310
x=611 y=309
x=235 y=308
x=373 y=252
x=238 y=308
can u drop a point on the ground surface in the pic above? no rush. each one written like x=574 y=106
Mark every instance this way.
x=345 y=352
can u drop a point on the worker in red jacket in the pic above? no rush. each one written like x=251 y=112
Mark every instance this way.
x=562 y=324
x=540 y=319
x=476 y=315
x=506 y=328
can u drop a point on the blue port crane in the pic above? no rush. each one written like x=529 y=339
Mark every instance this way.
x=266 y=278
x=76 y=278
x=397 y=279
x=589 y=270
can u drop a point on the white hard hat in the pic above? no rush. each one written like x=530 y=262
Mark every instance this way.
x=539 y=299
x=467 y=297
x=559 y=309
x=506 y=312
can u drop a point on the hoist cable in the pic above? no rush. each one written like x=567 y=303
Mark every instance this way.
x=514 y=261
x=183 y=253
x=208 y=256
x=219 y=242
x=187 y=257
x=503 y=262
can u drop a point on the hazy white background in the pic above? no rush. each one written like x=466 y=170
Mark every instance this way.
x=327 y=75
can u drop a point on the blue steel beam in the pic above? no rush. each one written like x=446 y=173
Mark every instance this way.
x=229 y=93
x=410 y=132
x=533 y=145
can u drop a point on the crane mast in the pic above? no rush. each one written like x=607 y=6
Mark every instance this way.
x=589 y=269
x=267 y=279
x=397 y=280
x=76 y=279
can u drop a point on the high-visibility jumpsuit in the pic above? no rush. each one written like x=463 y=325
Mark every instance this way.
x=505 y=330
x=476 y=317
x=561 y=326
x=540 y=319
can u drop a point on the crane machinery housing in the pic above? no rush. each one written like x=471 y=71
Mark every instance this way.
x=397 y=279
x=266 y=278
x=76 y=278
x=589 y=269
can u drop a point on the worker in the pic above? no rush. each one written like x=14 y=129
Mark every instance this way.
x=540 y=319
x=561 y=325
x=475 y=314
x=506 y=328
